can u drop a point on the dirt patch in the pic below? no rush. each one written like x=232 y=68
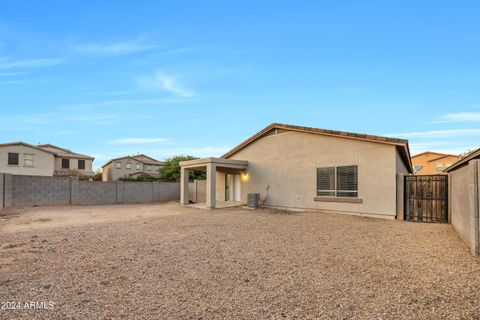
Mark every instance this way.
x=25 y=219
x=171 y=262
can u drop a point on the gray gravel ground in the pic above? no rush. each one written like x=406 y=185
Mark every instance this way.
x=241 y=264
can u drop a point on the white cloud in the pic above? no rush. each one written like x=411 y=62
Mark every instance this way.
x=106 y=103
x=115 y=48
x=165 y=82
x=414 y=149
x=25 y=122
x=460 y=117
x=160 y=154
x=7 y=63
x=137 y=140
x=439 y=133
x=11 y=74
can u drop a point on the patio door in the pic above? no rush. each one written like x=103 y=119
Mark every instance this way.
x=232 y=187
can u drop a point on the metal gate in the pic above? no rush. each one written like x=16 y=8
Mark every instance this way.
x=426 y=198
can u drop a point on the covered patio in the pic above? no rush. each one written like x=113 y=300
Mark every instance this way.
x=211 y=166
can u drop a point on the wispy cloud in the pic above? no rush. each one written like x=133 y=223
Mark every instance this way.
x=115 y=48
x=460 y=117
x=11 y=74
x=167 y=83
x=129 y=102
x=8 y=63
x=137 y=140
x=439 y=133
x=21 y=122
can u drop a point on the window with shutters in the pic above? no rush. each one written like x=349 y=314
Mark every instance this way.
x=339 y=181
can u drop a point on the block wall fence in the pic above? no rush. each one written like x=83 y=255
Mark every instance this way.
x=464 y=203
x=27 y=191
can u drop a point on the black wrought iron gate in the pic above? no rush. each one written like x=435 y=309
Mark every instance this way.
x=426 y=198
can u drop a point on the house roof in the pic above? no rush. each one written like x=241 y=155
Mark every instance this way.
x=444 y=156
x=430 y=152
x=146 y=159
x=139 y=157
x=440 y=155
x=401 y=144
x=16 y=143
x=63 y=153
x=473 y=155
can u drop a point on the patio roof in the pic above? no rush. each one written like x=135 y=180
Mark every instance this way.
x=218 y=162
x=211 y=166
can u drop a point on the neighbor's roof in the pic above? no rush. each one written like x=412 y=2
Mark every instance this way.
x=440 y=155
x=464 y=160
x=429 y=152
x=62 y=152
x=17 y=143
x=146 y=159
x=139 y=157
x=402 y=144
x=444 y=156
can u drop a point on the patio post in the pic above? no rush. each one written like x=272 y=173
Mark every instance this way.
x=211 y=185
x=184 y=186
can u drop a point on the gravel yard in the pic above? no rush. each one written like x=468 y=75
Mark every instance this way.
x=166 y=261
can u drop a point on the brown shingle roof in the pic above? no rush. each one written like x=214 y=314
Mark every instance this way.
x=401 y=143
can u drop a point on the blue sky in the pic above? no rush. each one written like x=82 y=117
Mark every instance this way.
x=198 y=77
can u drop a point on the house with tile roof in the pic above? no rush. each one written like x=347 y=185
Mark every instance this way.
x=303 y=168
x=130 y=167
x=428 y=162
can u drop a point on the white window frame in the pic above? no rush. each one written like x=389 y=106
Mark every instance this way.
x=118 y=165
x=128 y=166
x=335 y=191
x=25 y=159
x=138 y=166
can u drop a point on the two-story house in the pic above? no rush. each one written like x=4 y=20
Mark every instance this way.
x=43 y=160
x=68 y=162
x=130 y=166
x=433 y=162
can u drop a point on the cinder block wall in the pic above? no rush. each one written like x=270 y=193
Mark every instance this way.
x=464 y=198
x=23 y=191
x=39 y=191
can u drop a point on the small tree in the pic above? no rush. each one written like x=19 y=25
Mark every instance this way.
x=171 y=169
x=98 y=175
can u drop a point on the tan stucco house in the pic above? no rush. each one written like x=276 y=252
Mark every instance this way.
x=295 y=167
x=130 y=166
x=43 y=160
x=429 y=162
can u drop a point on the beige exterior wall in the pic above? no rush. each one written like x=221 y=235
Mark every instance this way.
x=115 y=173
x=43 y=162
x=73 y=164
x=107 y=172
x=286 y=164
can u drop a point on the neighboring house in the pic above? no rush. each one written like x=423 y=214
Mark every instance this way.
x=44 y=160
x=130 y=166
x=432 y=162
x=296 y=167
